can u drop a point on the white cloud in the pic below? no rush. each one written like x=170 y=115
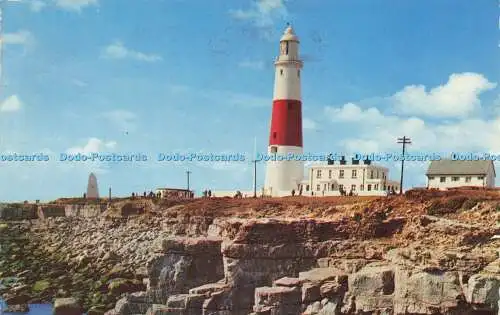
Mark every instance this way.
x=11 y=104
x=123 y=119
x=309 y=124
x=93 y=145
x=262 y=14
x=37 y=5
x=117 y=50
x=21 y=37
x=75 y=5
x=370 y=130
x=352 y=112
x=376 y=132
x=457 y=98
x=256 y=65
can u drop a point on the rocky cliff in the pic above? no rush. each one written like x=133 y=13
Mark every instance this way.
x=424 y=253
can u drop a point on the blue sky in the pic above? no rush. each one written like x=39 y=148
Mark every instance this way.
x=188 y=75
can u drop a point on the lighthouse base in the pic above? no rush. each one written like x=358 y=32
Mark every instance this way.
x=283 y=176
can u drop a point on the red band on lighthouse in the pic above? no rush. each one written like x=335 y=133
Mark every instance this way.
x=286 y=123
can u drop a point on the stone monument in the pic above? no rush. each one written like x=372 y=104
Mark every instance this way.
x=92 y=189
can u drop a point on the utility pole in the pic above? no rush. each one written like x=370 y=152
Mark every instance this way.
x=255 y=168
x=405 y=140
x=255 y=178
x=187 y=173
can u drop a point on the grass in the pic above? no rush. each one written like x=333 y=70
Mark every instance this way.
x=41 y=285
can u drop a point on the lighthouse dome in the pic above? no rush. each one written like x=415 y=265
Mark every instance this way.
x=289 y=35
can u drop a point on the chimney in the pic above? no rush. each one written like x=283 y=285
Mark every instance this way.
x=330 y=161
x=342 y=160
x=355 y=162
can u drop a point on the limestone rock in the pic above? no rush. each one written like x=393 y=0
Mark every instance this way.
x=283 y=300
x=67 y=306
x=483 y=290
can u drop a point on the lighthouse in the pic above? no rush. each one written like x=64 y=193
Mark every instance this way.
x=285 y=140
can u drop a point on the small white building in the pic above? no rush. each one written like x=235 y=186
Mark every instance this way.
x=446 y=174
x=363 y=179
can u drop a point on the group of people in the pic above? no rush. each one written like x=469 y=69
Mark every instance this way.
x=146 y=195
x=207 y=193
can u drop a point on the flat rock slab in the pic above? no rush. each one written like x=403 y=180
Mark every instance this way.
x=322 y=275
x=192 y=245
x=67 y=306
x=288 y=282
x=209 y=288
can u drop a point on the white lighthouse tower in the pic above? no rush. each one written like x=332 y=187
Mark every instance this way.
x=282 y=175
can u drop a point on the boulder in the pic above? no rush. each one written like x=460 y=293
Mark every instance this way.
x=283 y=300
x=483 y=291
x=426 y=292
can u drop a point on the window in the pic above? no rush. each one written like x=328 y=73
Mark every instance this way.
x=376 y=187
x=455 y=179
x=431 y=177
x=369 y=187
x=324 y=187
x=362 y=187
x=274 y=149
x=371 y=174
x=318 y=187
x=281 y=71
x=354 y=174
x=467 y=179
x=330 y=174
x=377 y=174
x=307 y=187
x=353 y=187
x=480 y=177
x=341 y=174
x=385 y=188
x=341 y=187
x=286 y=47
x=318 y=174
x=298 y=73
x=333 y=186
x=442 y=179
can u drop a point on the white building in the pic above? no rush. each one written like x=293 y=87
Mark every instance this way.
x=445 y=174
x=363 y=179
